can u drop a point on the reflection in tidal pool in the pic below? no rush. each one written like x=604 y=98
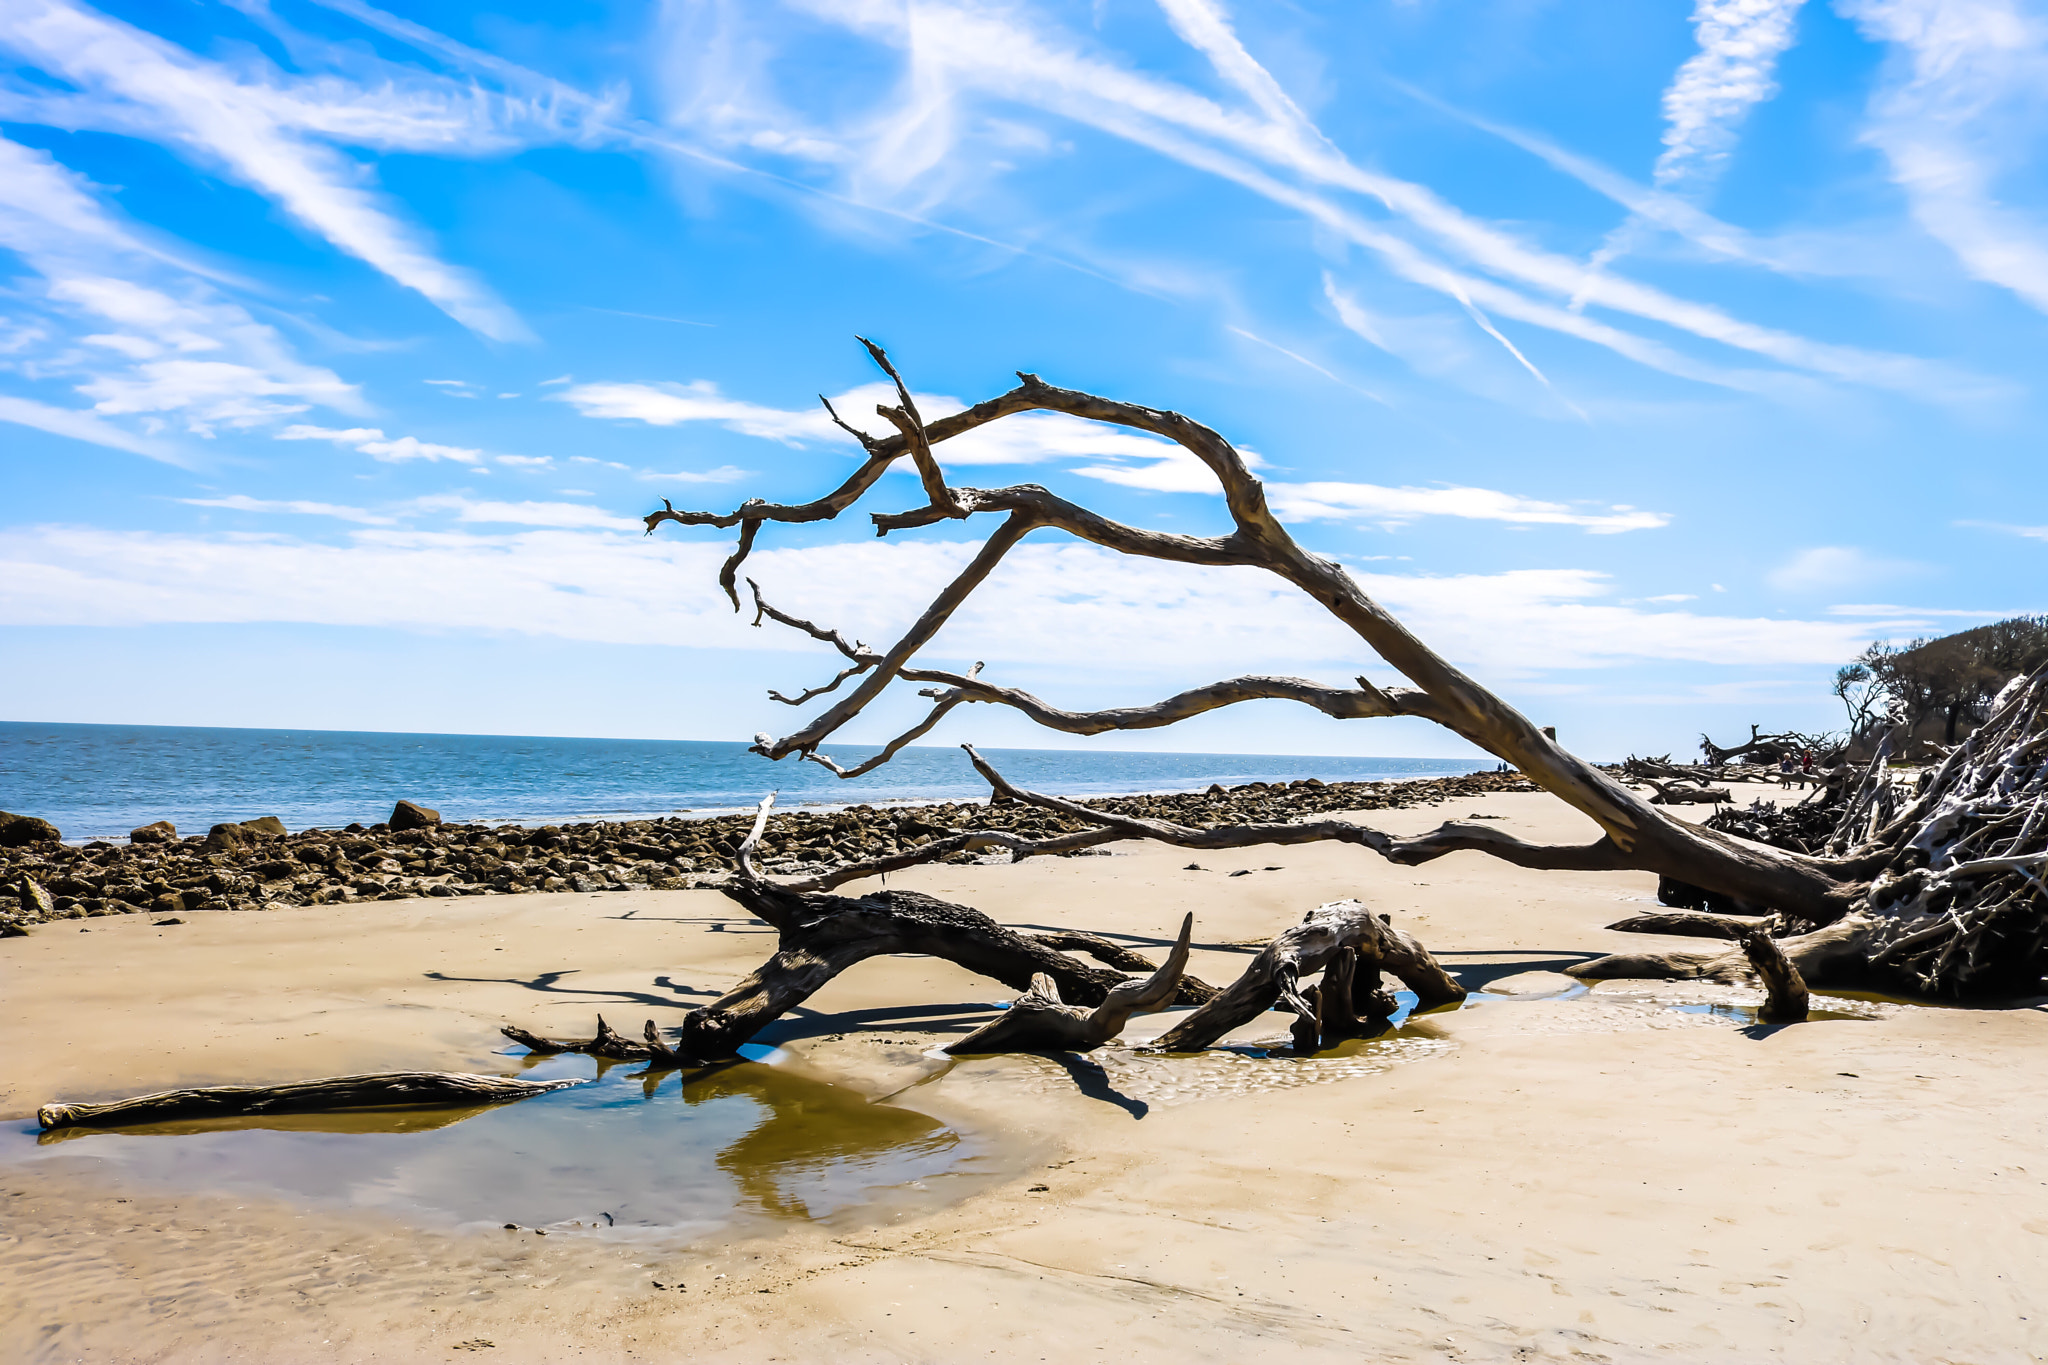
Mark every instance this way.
x=671 y=1150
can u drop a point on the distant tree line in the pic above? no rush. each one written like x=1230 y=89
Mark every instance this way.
x=1945 y=681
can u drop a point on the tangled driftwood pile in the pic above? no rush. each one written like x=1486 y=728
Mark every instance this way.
x=1953 y=862
x=264 y=868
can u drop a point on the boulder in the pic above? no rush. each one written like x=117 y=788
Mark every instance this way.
x=18 y=830
x=35 y=901
x=233 y=835
x=162 y=832
x=406 y=815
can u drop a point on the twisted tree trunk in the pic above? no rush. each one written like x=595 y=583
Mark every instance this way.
x=1864 y=874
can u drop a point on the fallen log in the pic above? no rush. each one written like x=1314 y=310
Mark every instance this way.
x=381 y=1090
x=1671 y=794
x=1039 y=1021
x=608 y=1043
x=1689 y=925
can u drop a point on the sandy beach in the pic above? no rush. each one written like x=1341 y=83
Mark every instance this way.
x=1607 y=1177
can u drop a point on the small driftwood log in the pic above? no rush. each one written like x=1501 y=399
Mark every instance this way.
x=382 y=1090
x=1671 y=794
x=1785 y=999
x=1039 y=1021
x=1274 y=976
x=1691 y=924
x=609 y=1043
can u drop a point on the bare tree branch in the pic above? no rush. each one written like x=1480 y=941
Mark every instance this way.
x=907 y=422
x=888 y=751
x=1640 y=834
x=863 y=657
x=1342 y=703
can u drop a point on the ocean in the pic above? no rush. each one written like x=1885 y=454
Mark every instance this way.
x=100 y=781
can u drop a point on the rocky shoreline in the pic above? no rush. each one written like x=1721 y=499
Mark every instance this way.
x=257 y=865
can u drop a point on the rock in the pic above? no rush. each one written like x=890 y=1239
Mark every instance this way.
x=1533 y=983
x=12 y=929
x=226 y=838
x=264 y=827
x=17 y=831
x=162 y=832
x=35 y=901
x=405 y=815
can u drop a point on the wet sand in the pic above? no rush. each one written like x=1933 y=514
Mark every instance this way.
x=1600 y=1178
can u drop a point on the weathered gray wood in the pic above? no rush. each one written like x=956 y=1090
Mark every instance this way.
x=380 y=1090
x=609 y=1042
x=1691 y=924
x=1110 y=953
x=1785 y=1000
x=1955 y=934
x=1310 y=946
x=1039 y=1021
x=1635 y=834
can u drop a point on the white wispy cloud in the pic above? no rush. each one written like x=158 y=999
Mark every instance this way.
x=1275 y=151
x=80 y=426
x=246 y=122
x=241 y=502
x=164 y=351
x=49 y=212
x=1026 y=438
x=566 y=515
x=668 y=405
x=725 y=473
x=1331 y=501
x=2030 y=532
x=1957 y=115
x=1145 y=462
x=1833 y=568
x=1048 y=606
x=1893 y=612
x=1740 y=42
x=373 y=442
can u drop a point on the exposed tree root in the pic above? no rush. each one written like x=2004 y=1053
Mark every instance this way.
x=1274 y=976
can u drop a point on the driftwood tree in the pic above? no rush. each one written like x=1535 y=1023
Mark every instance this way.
x=1937 y=891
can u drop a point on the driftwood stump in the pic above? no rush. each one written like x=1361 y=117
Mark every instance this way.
x=1784 y=989
x=1275 y=976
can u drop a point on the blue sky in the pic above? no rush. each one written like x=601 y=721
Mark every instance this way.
x=1646 y=359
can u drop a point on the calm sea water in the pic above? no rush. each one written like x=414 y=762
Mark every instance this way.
x=100 y=781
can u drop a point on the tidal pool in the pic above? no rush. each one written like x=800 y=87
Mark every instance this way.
x=690 y=1151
